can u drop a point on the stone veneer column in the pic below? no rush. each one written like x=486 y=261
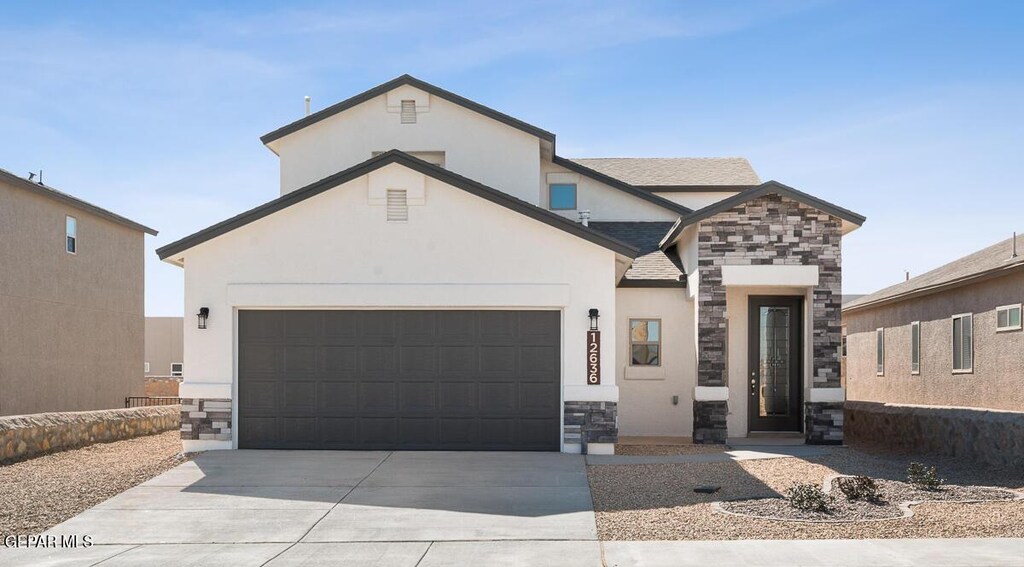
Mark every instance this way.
x=206 y=419
x=590 y=422
x=770 y=230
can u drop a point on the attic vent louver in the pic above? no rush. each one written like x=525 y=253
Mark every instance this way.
x=408 y=112
x=398 y=206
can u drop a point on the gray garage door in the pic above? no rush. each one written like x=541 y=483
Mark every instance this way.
x=445 y=380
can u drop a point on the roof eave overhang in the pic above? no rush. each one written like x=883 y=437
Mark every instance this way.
x=173 y=251
x=937 y=288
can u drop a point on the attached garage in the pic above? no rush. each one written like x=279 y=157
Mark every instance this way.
x=389 y=380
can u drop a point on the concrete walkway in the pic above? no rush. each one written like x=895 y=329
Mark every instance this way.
x=735 y=453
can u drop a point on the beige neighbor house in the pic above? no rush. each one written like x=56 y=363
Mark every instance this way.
x=937 y=361
x=164 y=360
x=434 y=275
x=71 y=301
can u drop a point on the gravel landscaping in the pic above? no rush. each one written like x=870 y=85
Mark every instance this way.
x=657 y=502
x=666 y=450
x=43 y=492
x=891 y=495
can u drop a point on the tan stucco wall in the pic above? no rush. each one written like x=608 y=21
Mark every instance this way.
x=998 y=378
x=71 y=326
x=645 y=393
x=164 y=338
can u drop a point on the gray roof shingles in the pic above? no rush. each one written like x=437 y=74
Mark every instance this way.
x=652 y=265
x=992 y=259
x=653 y=172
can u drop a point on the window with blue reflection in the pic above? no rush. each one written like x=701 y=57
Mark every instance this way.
x=562 y=196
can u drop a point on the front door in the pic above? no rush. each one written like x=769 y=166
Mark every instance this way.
x=775 y=354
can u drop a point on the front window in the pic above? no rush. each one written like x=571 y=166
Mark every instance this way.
x=644 y=342
x=1008 y=318
x=71 y=235
x=963 y=343
x=915 y=347
x=562 y=196
x=177 y=368
x=880 y=351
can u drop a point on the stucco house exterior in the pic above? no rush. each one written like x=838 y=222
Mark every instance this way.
x=938 y=360
x=164 y=364
x=434 y=275
x=71 y=301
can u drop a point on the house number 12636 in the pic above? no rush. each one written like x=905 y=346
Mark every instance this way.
x=593 y=357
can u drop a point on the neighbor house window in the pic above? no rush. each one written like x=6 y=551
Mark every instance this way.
x=146 y=364
x=915 y=347
x=562 y=196
x=176 y=368
x=880 y=351
x=963 y=342
x=645 y=342
x=1008 y=318
x=71 y=235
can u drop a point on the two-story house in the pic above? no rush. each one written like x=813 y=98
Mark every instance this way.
x=71 y=301
x=435 y=276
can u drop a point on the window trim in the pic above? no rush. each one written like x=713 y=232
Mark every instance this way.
x=575 y=197
x=880 y=351
x=73 y=237
x=1020 y=317
x=915 y=371
x=180 y=372
x=658 y=343
x=952 y=340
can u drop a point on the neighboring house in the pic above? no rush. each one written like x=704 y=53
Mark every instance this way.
x=164 y=363
x=930 y=359
x=433 y=272
x=949 y=337
x=71 y=302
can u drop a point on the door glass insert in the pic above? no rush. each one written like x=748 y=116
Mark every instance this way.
x=774 y=360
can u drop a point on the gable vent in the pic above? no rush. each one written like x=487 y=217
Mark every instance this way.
x=398 y=206
x=408 y=112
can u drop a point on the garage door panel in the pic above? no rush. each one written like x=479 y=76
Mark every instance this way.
x=449 y=380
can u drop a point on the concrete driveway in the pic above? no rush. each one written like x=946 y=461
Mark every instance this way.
x=346 y=508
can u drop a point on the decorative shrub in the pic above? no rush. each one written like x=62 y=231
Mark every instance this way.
x=858 y=488
x=809 y=497
x=924 y=478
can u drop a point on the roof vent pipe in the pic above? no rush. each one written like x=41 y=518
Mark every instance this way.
x=1012 y=254
x=585 y=218
x=307 y=105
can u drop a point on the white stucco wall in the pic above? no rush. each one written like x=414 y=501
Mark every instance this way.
x=335 y=250
x=475 y=146
x=604 y=203
x=645 y=393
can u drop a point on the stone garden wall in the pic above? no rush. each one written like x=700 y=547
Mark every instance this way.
x=987 y=436
x=26 y=436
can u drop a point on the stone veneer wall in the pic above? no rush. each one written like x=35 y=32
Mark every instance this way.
x=709 y=422
x=823 y=423
x=206 y=419
x=991 y=437
x=591 y=422
x=26 y=436
x=769 y=230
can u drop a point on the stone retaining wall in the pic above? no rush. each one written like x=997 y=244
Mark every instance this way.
x=26 y=436
x=987 y=436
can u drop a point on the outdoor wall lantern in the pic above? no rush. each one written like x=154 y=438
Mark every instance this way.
x=593 y=319
x=204 y=313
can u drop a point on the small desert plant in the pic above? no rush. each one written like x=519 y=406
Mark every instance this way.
x=809 y=497
x=922 y=477
x=858 y=488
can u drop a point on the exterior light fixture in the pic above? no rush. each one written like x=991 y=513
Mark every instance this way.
x=593 y=319
x=203 y=315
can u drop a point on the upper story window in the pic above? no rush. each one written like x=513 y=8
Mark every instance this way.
x=644 y=342
x=963 y=343
x=562 y=196
x=177 y=368
x=1008 y=318
x=880 y=351
x=915 y=347
x=71 y=235
x=408 y=112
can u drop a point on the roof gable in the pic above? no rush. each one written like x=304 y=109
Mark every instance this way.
x=769 y=187
x=404 y=159
x=393 y=84
x=621 y=185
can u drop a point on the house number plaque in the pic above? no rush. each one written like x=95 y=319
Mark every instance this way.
x=593 y=357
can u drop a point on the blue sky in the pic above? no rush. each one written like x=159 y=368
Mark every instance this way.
x=911 y=113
